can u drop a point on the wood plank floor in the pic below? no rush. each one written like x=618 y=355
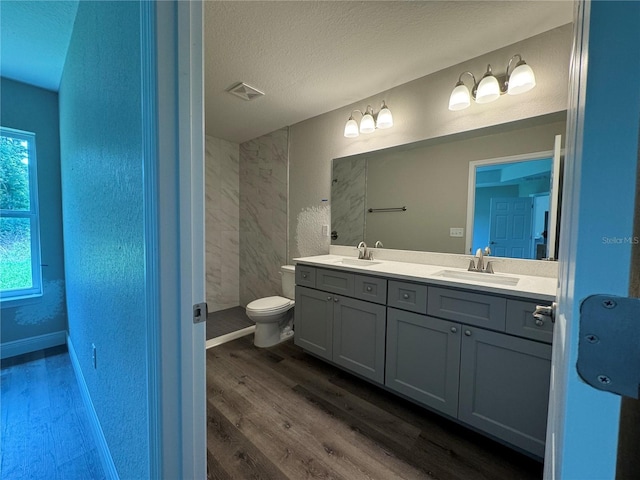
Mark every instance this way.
x=279 y=413
x=226 y=321
x=44 y=432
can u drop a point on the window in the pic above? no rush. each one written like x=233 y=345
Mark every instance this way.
x=20 y=269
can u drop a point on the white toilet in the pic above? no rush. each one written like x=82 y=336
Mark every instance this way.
x=274 y=315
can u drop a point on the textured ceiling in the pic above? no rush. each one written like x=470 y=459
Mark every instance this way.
x=308 y=57
x=313 y=57
x=34 y=39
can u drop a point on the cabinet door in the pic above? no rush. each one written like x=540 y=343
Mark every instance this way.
x=358 y=337
x=313 y=314
x=423 y=359
x=504 y=387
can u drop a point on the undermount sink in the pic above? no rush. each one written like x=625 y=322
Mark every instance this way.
x=478 y=277
x=358 y=262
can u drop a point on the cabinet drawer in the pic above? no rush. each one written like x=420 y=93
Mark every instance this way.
x=335 y=281
x=466 y=307
x=305 y=276
x=408 y=296
x=520 y=321
x=371 y=289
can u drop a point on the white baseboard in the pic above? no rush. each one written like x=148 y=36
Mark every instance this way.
x=32 y=344
x=98 y=435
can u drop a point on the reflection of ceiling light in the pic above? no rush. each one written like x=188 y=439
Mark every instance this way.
x=520 y=80
x=369 y=121
x=244 y=91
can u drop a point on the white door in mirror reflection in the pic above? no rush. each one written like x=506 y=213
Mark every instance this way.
x=510 y=226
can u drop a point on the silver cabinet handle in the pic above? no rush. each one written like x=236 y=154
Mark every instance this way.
x=369 y=289
x=467 y=333
x=543 y=311
x=405 y=296
x=454 y=330
x=335 y=299
x=304 y=275
x=539 y=322
x=329 y=298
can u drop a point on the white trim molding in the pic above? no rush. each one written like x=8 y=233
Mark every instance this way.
x=102 y=447
x=32 y=344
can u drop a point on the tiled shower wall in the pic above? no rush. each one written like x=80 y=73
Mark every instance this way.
x=263 y=214
x=222 y=221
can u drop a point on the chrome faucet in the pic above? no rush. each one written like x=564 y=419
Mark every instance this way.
x=362 y=251
x=479 y=260
x=379 y=244
x=479 y=265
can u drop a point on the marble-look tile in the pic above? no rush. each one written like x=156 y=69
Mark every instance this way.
x=222 y=223
x=348 y=200
x=263 y=214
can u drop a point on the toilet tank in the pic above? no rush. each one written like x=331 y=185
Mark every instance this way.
x=288 y=273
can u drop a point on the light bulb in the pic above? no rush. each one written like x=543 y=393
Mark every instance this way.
x=351 y=128
x=521 y=80
x=460 y=97
x=488 y=89
x=385 y=119
x=367 y=124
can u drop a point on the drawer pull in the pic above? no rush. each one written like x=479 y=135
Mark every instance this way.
x=539 y=322
x=329 y=298
x=405 y=296
x=335 y=299
x=304 y=275
x=467 y=333
x=369 y=288
x=454 y=330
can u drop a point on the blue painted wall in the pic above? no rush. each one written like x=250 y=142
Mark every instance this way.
x=102 y=180
x=36 y=110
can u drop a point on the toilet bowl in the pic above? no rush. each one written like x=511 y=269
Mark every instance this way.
x=274 y=315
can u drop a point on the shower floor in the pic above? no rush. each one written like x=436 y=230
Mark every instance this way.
x=226 y=325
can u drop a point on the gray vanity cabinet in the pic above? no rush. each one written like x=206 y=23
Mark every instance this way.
x=423 y=359
x=504 y=387
x=358 y=337
x=313 y=317
x=346 y=331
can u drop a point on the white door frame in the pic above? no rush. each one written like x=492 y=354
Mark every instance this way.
x=173 y=126
x=598 y=202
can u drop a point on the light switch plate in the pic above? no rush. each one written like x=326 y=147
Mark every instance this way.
x=456 y=232
x=325 y=230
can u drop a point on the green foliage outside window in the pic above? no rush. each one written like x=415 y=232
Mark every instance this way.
x=15 y=225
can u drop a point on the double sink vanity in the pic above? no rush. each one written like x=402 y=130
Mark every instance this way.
x=464 y=344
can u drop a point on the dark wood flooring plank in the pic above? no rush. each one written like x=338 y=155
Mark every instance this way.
x=236 y=457
x=349 y=407
x=307 y=435
x=45 y=430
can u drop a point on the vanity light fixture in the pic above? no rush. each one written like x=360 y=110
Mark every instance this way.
x=369 y=121
x=489 y=88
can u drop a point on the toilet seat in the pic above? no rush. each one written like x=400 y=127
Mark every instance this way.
x=269 y=306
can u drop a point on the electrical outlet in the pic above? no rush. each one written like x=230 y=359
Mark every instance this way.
x=325 y=230
x=456 y=232
x=93 y=356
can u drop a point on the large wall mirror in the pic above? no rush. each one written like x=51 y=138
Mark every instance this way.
x=422 y=196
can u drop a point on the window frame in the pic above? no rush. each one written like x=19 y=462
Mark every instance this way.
x=33 y=214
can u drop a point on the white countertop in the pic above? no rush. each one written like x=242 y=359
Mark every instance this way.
x=528 y=286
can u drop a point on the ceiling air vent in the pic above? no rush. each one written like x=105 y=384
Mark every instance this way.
x=244 y=91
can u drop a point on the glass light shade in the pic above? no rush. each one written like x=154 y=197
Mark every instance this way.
x=351 y=129
x=488 y=90
x=460 y=98
x=521 y=80
x=385 y=119
x=367 y=124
